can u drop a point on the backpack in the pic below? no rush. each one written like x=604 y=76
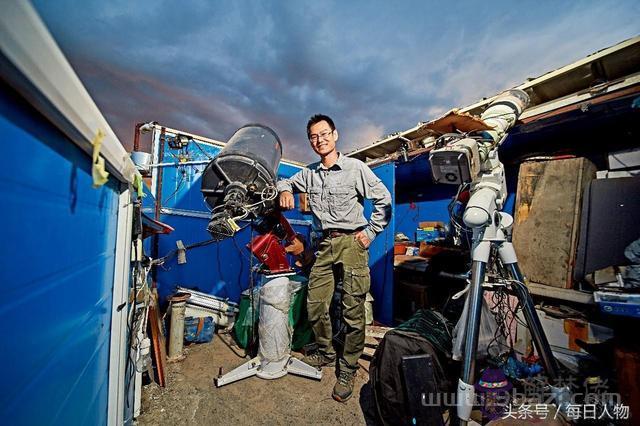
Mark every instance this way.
x=399 y=400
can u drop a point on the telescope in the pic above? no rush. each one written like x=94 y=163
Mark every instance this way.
x=472 y=160
x=240 y=184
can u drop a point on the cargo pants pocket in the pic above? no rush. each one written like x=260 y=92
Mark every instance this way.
x=356 y=286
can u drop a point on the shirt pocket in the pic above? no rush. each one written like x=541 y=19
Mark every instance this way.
x=315 y=197
x=340 y=197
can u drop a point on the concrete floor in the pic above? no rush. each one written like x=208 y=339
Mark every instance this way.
x=191 y=398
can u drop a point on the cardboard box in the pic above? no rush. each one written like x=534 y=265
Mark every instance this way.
x=303 y=199
x=425 y=225
x=428 y=250
x=401 y=247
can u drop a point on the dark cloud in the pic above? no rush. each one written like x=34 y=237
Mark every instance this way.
x=376 y=67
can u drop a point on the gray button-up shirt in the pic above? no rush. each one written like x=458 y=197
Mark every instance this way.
x=336 y=195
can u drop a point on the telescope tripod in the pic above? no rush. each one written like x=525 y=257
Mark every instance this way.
x=488 y=242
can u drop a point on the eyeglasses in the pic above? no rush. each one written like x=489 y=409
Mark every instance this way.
x=322 y=135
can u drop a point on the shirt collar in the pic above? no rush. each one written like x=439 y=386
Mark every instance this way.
x=339 y=162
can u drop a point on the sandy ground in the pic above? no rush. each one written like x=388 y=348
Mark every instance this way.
x=191 y=397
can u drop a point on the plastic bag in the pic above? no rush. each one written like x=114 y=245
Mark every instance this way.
x=486 y=334
x=247 y=317
x=632 y=273
x=199 y=330
x=274 y=329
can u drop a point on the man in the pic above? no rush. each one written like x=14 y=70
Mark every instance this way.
x=337 y=186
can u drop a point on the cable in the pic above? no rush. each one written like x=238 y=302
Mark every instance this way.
x=271 y=196
x=172 y=253
x=460 y=228
x=499 y=311
x=235 y=243
x=251 y=342
x=183 y=174
x=201 y=150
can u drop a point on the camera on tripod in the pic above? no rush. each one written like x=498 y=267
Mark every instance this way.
x=471 y=160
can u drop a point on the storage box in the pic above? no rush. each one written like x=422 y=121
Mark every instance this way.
x=428 y=250
x=429 y=235
x=430 y=231
x=622 y=304
x=401 y=247
x=425 y=225
x=562 y=333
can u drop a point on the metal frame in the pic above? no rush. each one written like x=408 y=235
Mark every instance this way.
x=119 y=312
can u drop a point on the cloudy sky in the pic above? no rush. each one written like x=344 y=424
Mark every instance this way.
x=209 y=67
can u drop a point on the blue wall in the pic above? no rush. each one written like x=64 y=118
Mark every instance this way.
x=381 y=254
x=57 y=251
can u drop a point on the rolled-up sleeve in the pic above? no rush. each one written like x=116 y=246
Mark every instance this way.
x=296 y=183
x=374 y=189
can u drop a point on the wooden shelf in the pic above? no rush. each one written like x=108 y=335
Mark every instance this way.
x=560 y=293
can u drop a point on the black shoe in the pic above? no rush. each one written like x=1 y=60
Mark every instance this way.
x=343 y=389
x=318 y=359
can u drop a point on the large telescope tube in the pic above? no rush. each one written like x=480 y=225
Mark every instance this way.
x=240 y=182
x=503 y=112
x=489 y=191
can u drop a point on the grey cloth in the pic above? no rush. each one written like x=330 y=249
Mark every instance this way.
x=336 y=195
x=632 y=273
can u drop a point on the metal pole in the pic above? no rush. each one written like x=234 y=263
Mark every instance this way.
x=466 y=393
x=535 y=326
x=473 y=321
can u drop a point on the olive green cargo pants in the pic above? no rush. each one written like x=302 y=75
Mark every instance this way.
x=354 y=259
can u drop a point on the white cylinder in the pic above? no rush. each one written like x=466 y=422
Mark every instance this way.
x=176 y=333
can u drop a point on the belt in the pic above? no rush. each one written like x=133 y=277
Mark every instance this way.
x=334 y=233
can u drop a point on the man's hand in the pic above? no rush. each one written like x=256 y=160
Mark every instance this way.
x=286 y=200
x=362 y=239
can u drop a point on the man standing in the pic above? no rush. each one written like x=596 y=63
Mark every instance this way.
x=337 y=186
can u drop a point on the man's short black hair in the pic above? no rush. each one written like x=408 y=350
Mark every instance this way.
x=318 y=118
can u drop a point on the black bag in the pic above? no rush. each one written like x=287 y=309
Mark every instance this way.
x=398 y=400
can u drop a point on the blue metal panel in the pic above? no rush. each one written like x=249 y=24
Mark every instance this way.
x=381 y=254
x=56 y=279
x=418 y=198
x=220 y=269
